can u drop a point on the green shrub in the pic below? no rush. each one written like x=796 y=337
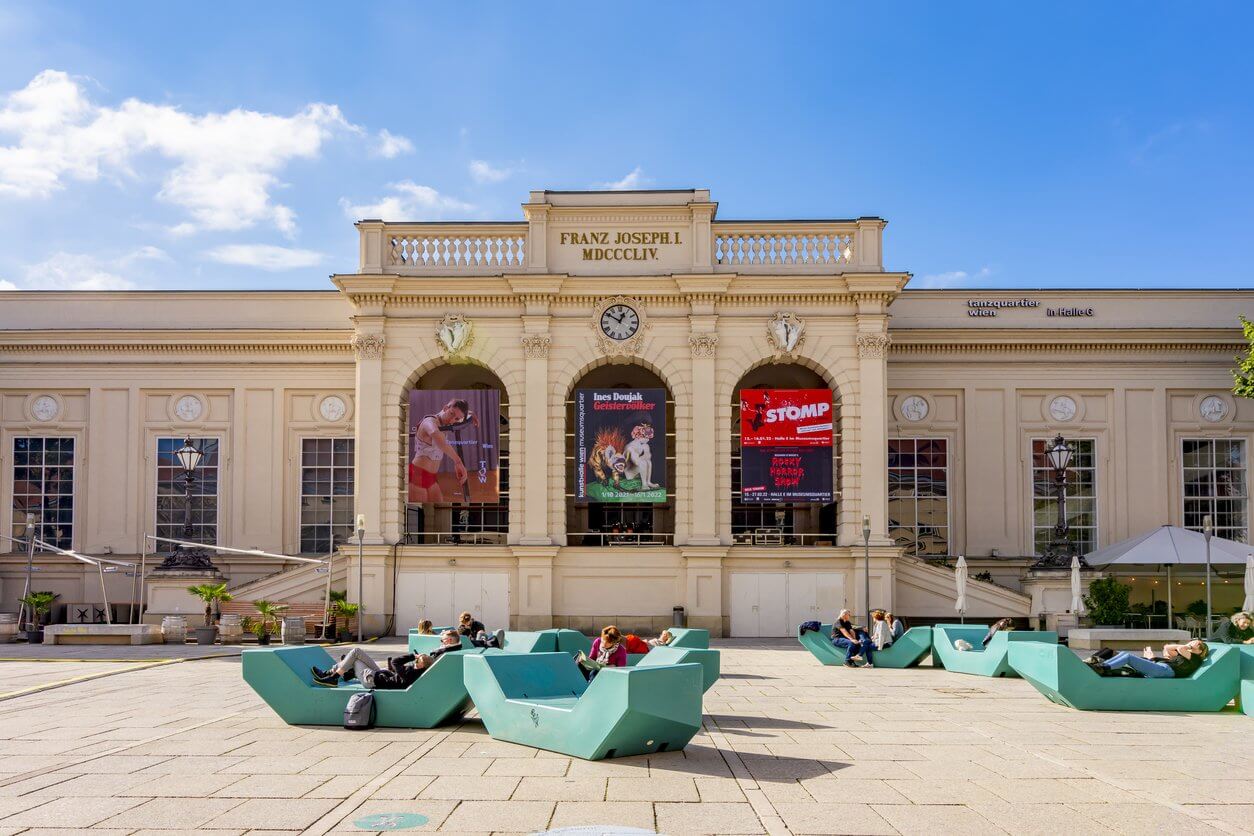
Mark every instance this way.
x=1107 y=600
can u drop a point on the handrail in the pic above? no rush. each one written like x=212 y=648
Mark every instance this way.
x=229 y=550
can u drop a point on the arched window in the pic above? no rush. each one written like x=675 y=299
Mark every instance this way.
x=757 y=520
x=456 y=414
x=620 y=459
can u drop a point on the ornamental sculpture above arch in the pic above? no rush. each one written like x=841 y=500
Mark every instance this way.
x=455 y=333
x=786 y=332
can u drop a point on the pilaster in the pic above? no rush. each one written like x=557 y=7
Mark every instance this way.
x=872 y=344
x=369 y=344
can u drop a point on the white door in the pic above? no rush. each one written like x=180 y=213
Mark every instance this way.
x=443 y=596
x=759 y=604
x=829 y=595
x=773 y=605
x=744 y=604
x=801 y=599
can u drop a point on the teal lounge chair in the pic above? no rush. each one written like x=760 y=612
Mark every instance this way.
x=689 y=637
x=982 y=661
x=542 y=700
x=908 y=651
x=419 y=643
x=573 y=641
x=281 y=677
x=1063 y=678
x=540 y=641
x=1245 y=696
x=707 y=659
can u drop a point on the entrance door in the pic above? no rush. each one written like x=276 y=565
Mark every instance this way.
x=442 y=596
x=774 y=603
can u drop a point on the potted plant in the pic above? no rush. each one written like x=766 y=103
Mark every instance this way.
x=1107 y=601
x=38 y=604
x=210 y=593
x=347 y=610
x=267 y=610
x=330 y=630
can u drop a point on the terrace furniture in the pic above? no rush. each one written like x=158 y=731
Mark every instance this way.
x=979 y=660
x=670 y=655
x=1063 y=678
x=906 y=652
x=282 y=678
x=542 y=700
x=1245 y=694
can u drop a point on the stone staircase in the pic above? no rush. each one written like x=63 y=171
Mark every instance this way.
x=928 y=591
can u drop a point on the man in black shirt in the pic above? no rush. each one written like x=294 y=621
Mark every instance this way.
x=401 y=672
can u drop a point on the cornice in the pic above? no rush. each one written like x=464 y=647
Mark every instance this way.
x=96 y=341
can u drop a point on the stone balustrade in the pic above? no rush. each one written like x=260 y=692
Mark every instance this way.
x=787 y=245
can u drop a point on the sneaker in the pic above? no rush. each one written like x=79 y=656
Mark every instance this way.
x=327 y=679
x=500 y=638
x=850 y=665
x=868 y=665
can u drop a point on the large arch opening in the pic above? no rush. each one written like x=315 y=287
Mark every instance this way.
x=456 y=414
x=787 y=497
x=619 y=429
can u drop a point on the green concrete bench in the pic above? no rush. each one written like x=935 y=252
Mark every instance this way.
x=282 y=678
x=539 y=641
x=908 y=651
x=689 y=637
x=1063 y=678
x=424 y=643
x=979 y=660
x=572 y=641
x=542 y=700
x=1245 y=696
x=669 y=655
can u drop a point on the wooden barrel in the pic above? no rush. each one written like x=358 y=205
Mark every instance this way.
x=8 y=627
x=231 y=628
x=293 y=629
x=174 y=629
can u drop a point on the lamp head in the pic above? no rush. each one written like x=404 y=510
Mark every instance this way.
x=361 y=525
x=866 y=526
x=1059 y=454
x=189 y=456
x=1207 y=530
x=30 y=524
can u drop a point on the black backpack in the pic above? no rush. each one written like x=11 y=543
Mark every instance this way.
x=359 y=713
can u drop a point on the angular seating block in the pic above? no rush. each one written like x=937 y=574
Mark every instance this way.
x=909 y=650
x=707 y=659
x=689 y=637
x=572 y=641
x=420 y=643
x=1063 y=678
x=541 y=641
x=1245 y=696
x=542 y=700
x=982 y=661
x=282 y=678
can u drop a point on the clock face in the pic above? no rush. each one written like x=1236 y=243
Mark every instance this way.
x=332 y=408
x=44 y=408
x=188 y=408
x=620 y=322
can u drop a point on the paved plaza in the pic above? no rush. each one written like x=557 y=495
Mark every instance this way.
x=128 y=746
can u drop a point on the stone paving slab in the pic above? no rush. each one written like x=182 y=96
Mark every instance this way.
x=788 y=746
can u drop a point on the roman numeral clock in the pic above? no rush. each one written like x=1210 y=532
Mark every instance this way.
x=619 y=323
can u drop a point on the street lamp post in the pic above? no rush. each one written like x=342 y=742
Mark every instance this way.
x=188 y=557
x=1207 y=533
x=361 y=600
x=866 y=565
x=1059 y=551
x=30 y=564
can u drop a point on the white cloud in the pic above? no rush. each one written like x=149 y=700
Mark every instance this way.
x=145 y=254
x=73 y=271
x=634 y=180
x=409 y=201
x=389 y=145
x=484 y=172
x=224 y=165
x=7 y=285
x=264 y=256
x=954 y=278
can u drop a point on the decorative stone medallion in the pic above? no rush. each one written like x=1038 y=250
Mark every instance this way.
x=786 y=332
x=1213 y=408
x=1062 y=408
x=455 y=334
x=45 y=408
x=333 y=408
x=188 y=408
x=914 y=408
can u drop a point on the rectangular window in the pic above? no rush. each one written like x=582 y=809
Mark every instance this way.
x=43 y=485
x=918 y=495
x=171 y=488
x=1081 y=496
x=1214 y=485
x=326 y=494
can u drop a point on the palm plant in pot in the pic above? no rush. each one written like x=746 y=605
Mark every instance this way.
x=347 y=610
x=337 y=596
x=38 y=604
x=269 y=611
x=210 y=594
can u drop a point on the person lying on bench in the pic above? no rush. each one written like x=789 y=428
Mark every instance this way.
x=401 y=672
x=1236 y=630
x=662 y=640
x=1178 y=661
x=479 y=636
x=853 y=640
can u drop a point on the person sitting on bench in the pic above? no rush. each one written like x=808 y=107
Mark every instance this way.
x=998 y=626
x=425 y=627
x=479 y=636
x=1178 y=661
x=896 y=626
x=853 y=640
x=608 y=651
x=401 y=671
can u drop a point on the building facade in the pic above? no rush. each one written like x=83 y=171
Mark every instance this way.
x=941 y=403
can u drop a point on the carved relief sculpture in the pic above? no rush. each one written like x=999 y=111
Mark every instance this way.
x=786 y=332
x=535 y=346
x=873 y=345
x=455 y=334
x=703 y=344
x=368 y=346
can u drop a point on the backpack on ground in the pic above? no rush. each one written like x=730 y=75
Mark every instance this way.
x=359 y=713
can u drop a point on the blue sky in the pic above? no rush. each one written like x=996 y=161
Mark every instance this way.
x=229 y=145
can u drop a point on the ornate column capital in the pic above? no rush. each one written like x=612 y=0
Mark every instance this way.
x=874 y=346
x=703 y=343
x=368 y=346
x=535 y=346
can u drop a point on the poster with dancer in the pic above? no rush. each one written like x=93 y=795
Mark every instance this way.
x=454 y=446
x=620 y=445
x=786 y=445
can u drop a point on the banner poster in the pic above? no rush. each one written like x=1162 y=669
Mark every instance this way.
x=620 y=445
x=786 y=445
x=454 y=446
